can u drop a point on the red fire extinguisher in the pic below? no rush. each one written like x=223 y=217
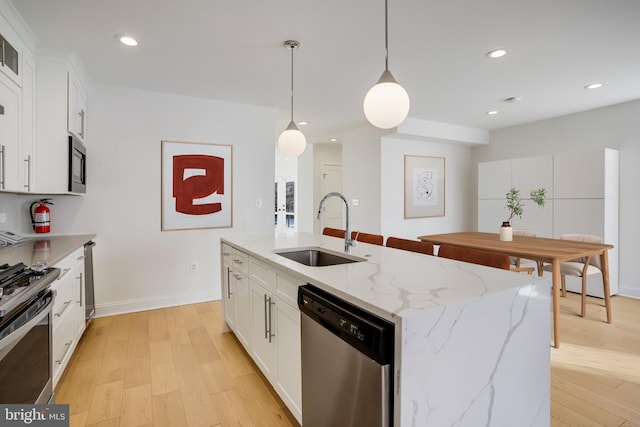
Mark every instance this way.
x=40 y=216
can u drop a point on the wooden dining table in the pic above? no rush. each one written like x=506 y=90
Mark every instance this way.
x=553 y=251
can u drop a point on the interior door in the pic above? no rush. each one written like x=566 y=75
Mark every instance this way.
x=331 y=180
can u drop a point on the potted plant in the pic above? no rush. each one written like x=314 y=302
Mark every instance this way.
x=515 y=207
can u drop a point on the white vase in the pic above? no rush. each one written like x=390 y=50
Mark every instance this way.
x=506 y=232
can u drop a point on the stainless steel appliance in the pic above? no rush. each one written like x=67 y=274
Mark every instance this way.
x=25 y=334
x=89 y=293
x=347 y=363
x=77 y=166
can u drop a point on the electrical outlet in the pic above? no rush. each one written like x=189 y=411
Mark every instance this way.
x=195 y=267
x=258 y=203
x=355 y=202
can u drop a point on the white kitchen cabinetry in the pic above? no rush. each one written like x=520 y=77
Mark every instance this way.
x=68 y=310
x=76 y=106
x=10 y=107
x=228 y=299
x=271 y=310
x=60 y=99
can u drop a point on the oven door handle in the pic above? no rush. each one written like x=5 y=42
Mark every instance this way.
x=7 y=343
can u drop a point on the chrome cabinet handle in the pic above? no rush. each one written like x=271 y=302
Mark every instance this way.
x=237 y=261
x=66 y=304
x=81 y=114
x=68 y=347
x=228 y=283
x=80 y=283
x=28 y=184
x=2 y=153
x=266 y=331
x=271 y=335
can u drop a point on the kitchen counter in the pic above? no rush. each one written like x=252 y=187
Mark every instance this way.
x=472 y=342
x=47 y=249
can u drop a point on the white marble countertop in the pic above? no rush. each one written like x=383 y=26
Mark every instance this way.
x=391 y=283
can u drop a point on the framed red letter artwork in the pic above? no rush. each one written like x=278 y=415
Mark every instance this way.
x=196 y=185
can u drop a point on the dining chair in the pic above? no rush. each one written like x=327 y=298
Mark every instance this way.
x=475 y=256
x=374 y=239
x=581 y=267
x=334 y=232
x=410 y=245
x=515 y=261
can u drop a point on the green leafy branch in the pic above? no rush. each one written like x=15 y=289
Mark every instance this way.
x=514 y=202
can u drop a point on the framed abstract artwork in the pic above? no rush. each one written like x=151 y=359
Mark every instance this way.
x=196 y=185
x=424 y=179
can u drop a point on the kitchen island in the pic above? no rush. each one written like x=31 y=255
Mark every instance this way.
x=471 y=342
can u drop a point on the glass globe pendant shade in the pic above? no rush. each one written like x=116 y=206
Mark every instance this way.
x=386 y=105
x=292 y=142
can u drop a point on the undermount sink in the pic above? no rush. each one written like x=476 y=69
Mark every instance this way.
x=316 y=257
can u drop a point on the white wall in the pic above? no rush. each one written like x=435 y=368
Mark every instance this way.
x=136 y=265
x=614 y=127
x=324 y=154
x=457 y=188
x=361 y=165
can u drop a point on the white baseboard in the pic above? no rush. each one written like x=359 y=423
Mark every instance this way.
x=131 y=306
x=629 y=292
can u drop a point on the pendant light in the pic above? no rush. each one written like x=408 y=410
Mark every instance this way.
x=292 y=142
x=386 y=105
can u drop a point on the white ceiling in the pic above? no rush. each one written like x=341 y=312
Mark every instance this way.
x=232 y=50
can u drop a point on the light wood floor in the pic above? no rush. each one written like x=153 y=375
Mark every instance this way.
x=174 y=367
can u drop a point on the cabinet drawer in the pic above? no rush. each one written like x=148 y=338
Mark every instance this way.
x=62 y=347
x=240 y=261
x=63 y=301
x=226 y=252
x=287 y=289
x=262 y=274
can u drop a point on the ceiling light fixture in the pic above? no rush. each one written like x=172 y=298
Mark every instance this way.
x=496 y=53
x=291 y=141
x=127 y=40
x=386 y=105
x=492 y=112
x=594 y=86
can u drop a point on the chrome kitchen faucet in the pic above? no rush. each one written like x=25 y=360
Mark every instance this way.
x=348 y=242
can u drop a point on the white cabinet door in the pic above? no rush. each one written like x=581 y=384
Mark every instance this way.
x=28 y=122
x=242 y=309
x=262 y=325
x=531 y=173
x=578 y=175
x=79 y=321
x=76 y=106
x=228 y=296
x=9 y=135
x=289 y=365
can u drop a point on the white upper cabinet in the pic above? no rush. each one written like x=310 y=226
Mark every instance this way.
x=9 y=135
x=76 y=106
x=579 y=175
x=532 y=173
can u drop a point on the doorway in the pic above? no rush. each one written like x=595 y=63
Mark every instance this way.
x=285 y=202
x=331 y=180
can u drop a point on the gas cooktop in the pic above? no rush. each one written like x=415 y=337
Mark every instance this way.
x=19 y=283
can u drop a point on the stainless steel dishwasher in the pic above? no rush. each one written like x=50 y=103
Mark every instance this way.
x=347 y=363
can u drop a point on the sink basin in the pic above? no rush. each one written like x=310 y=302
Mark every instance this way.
x=316 y=257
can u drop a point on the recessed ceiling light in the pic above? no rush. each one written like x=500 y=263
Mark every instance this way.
x=333 y=139
x=496 y=53
x=492 y=112
x=126 y=40
x=303 y=123
x=593 y=86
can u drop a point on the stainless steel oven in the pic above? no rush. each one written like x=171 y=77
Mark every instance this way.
x=77 y=166
x=26 y=334
x=25 y=354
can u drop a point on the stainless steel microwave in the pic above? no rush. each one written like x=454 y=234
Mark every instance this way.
x=77 y=166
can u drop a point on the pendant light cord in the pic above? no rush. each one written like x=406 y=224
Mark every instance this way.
x=386 y=37
x=292 y=47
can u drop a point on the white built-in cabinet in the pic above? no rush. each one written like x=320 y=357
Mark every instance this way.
x=68 y=310
x=17 y=91
x=76 y=105
x=263 y=313
x=61 y=110
x=582 y=192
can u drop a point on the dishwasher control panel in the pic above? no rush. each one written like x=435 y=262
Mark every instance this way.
x=363 y=330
